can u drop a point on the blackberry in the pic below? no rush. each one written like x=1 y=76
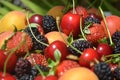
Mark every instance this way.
x=36 y=45
x=49 y=23
x=26 y=77
x=117 y=73
x=79 y=45
x=117 y=48
x=103 y=71
x=35 y=71
x=22 y=67
x=92 y=20
x=116 y=37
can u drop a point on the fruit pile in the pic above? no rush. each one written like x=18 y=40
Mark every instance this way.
x=78 y=45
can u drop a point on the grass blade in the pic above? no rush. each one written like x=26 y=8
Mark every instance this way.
x=3 y=11
x=34 y=7
x=10 y=5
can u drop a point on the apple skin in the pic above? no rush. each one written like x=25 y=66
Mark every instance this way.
x=71 y=23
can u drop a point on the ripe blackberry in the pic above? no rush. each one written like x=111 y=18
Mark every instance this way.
x=92 y=20
x=22 y=67
x=103 y=71
x=35 y=71
x=36 y=44
x=116 y=37
x=26 y=77
x=117 y=48
x=117 y=73
x=49 y=23
x=79 y=45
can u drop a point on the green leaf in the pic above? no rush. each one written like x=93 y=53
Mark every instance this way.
x=34 y=7
x=57 y=55
x=70 y=38
x=4 y=10
x=10 y=5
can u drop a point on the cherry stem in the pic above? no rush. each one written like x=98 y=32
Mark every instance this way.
x=74 y=11
x=83 y=35
x=106 y=25
x=58 y=21
x=11 y=53
x=33 y=33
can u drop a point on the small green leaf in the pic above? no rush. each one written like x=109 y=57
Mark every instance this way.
x=70 y=38
x=86 y=31
x=57 y=55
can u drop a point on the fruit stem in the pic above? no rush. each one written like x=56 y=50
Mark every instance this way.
x=33 y=33
x=83 y=35
x=74 y=11
x=58 y=21
x=11 y=53
x=106 y=25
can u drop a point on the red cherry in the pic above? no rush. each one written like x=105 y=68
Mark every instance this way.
x=104 y=49
x=88 y=56
x=51 y=77
x=39 y=77
x=82 y=11
x=6 y=76
x=49 y=51
x=36 y=18
x=70 y=24
x=11 y=63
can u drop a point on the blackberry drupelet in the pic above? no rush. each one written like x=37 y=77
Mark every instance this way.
x=79 y=45
x=117 y=73
x=92 y=20
x=103 y=71
x=22 y=67
x=49 y=23
x=116 y=37
x=36 y=44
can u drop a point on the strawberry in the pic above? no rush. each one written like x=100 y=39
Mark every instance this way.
x=11 y=62
x=64 y=66
x=38 y=59
x=17 y=39
x=96 y=32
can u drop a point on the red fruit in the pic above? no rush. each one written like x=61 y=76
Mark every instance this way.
x=70 y=24
x=113 y=66
x=96 y=33
x=104 y=49
x=39 y=77
x=40 y=29
x=64 y=66
x=88 y=56
x=113 y=23
x=16 y=40
x=35 y=58
x=82 y=11
x=6 y=77
x=11 y=62
x=36 y=18
x=61 y=46
x=51 y=77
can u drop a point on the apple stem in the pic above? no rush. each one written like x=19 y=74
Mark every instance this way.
x=58 y=21
x=11 y=53
x=33 y=33
x=106 y=25
x=74 y=11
